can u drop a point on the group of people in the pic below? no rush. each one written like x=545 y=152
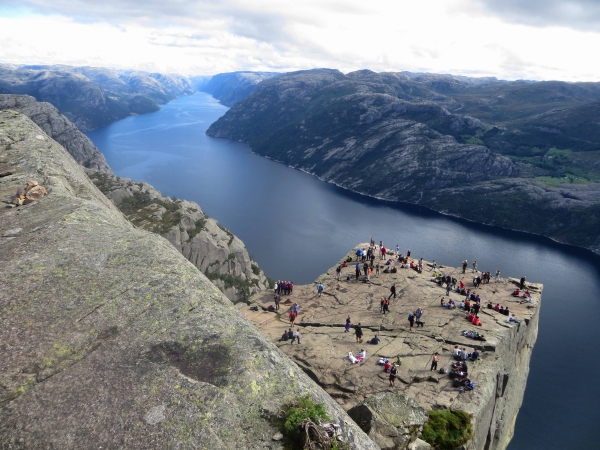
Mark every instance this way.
x=291 y=335
x=294 y=313
x=284 y=288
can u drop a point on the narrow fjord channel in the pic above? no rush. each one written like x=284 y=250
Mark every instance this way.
x=296 y=227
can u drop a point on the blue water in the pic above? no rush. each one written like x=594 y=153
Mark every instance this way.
x=296 y=227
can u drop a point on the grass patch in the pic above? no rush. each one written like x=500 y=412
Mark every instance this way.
x=446 y=430
x=229 y=233
x=290 y=424
x=199 y=226
x=255 y=269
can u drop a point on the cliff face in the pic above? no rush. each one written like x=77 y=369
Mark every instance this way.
x=213 y=249
x=500 y=374
x=230 y=88
x=59 y=128
x=395 y=137
x=110 y=338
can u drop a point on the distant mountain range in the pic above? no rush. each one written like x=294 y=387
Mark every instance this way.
x=518 y=154
x=92 y=97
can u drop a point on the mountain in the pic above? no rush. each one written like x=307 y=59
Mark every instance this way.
x=92 y=97
x=423 y=139
x=59 y=128
x=111 y=338
x=230 y=88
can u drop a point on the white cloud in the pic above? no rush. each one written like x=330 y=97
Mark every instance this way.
x=444 y=36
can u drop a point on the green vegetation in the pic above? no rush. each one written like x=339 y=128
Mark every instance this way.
x=229 y=233
x=255 y=269
x=139 y=209
x=199 y=226
x=229 y=281
x=292 y=420
x=446 y=430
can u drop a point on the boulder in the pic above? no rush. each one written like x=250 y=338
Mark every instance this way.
x=391 y=420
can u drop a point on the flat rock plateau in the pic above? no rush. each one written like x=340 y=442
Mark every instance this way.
x=110 y=338
x=500 y=374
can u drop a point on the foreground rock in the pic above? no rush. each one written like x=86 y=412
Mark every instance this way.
x=213 y=249
x=110 y=338
x=392 y=420
x=59 y=128
x=500 y=374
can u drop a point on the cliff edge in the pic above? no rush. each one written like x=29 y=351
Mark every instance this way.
x=110 y=337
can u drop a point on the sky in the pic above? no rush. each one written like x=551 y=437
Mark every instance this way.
x=508 y=39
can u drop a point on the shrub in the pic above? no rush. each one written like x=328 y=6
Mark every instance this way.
x=446 y=430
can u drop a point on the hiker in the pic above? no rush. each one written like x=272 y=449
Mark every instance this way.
x=357 y=271
x=359 y=254
x=320 y=289
x=338 y=272
x=474 y=355
x=363 y=354
x=348 y=325
x=474 y=266
x=284 y=337
x=277 y=298
x=512 y=318
x=456 y=352
x=381 y=304
x=523 y=283
x=497 y=276
x=506 y=312
x=408 y=253
x=501 y=310
x=465 y=264
x=434 y=265
x=434 y=361
x=290 y=334
x=386 y=366
x=358 y=332
x=392 y=291
x=420 y=265
x=418 y=315
x=295 y=336
x=411 y=320
x=352 y=358
x=292 y=317
x=475 y=308
x=393 y=374
x=374 y=341
x=464 y=355
x=386 y=305
x=377 y=267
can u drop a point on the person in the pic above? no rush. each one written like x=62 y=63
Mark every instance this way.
x=420 y=265
x=357 y=271
x=375 y=340
x=456 y=352
x=290 y=334
x=522 y=283
x=296 y=335
x=352 y=358
x=464 y=354
x=320 y=288
x=392 y=291
x=465 y=264
x=386 y=306
x=284 y=337
x=377 y=267
x=348 y=325
x=358 y=332
x=393 y=374
x=497 y=307
x=387 y=366
x=475 y=355
x=418 y=317
x=383 y=252
x=292 y=317
x=434 y=361
x=442 y=302
x=363 y=354
x=501 y=310
x=506 y=312
x=497 y=276
x=381 y=304
x=359 y=254
x=338 y=272
x=474 y=266
x=408 y=253
x=411 y=320
x=527 y=298
x=476 y=307
x=512 y=318
x=434 y=266
x=397 y=249
x=277 y=299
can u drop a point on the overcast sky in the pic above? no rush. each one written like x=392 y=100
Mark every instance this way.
x=510 y=39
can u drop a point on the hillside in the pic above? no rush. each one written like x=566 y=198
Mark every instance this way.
x=415 y=138
x=229 y=88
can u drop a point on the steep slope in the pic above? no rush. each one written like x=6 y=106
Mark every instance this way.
x=110 y=338
x=213 y=249
x=59 y=128
x=393 y=137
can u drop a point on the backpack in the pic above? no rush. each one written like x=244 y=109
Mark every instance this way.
x=411 y=316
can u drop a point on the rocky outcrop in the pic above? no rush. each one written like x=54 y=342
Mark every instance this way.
x=393 y=421
x=402 y=138
x=110 y=338
x=500 y=374
x=213 y=249
x=59 y=128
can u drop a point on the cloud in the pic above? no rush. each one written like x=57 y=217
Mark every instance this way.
x=575 y=14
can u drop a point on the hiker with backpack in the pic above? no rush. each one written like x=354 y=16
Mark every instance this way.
x=411 y=320
x=418 y=316
x=392 y=291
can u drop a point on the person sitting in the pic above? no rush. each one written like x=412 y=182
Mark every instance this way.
x=374 y=341
x=490 y=305
x=352 y=358
x=290 y=334
x=501 y=310
x=526 y=299
x=461 y=305
x=497 y=307
x=284 y=336
x=394 y=269
x=512 y=318
x=387 y=366
x=474 y=355
x=464 y=355
x=516 y=293
x=382 y=361
x=456 y=353
x=362 y=354
x=506 y=312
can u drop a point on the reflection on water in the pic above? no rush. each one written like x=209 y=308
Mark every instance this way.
x=296 y=227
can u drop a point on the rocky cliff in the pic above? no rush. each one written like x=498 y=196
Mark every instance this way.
x=230 y=88
x=111 y=338
x=500 y=374
x=59 y=128
x=408 y=139
x=213 y=249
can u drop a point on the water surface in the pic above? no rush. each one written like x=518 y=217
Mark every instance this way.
x=296 y=227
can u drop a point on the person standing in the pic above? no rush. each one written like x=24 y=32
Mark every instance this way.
x=277 y=298
x=296 y=336
x=465 y=264
x=474 y=266
x=358 y=332
x=420 y=265
x=348 y=325
x=377 y=267
x=393 y=374
x=320 y=289
x=381 y=304
x=408 y=253
x=386 y=306
x=523 y=283
x=338 y=272
x=357 y=271
x=411 y=320
x=392 y=291
x=434 y=266
x=497 y=276
x=418 y=315
x=434 y=361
